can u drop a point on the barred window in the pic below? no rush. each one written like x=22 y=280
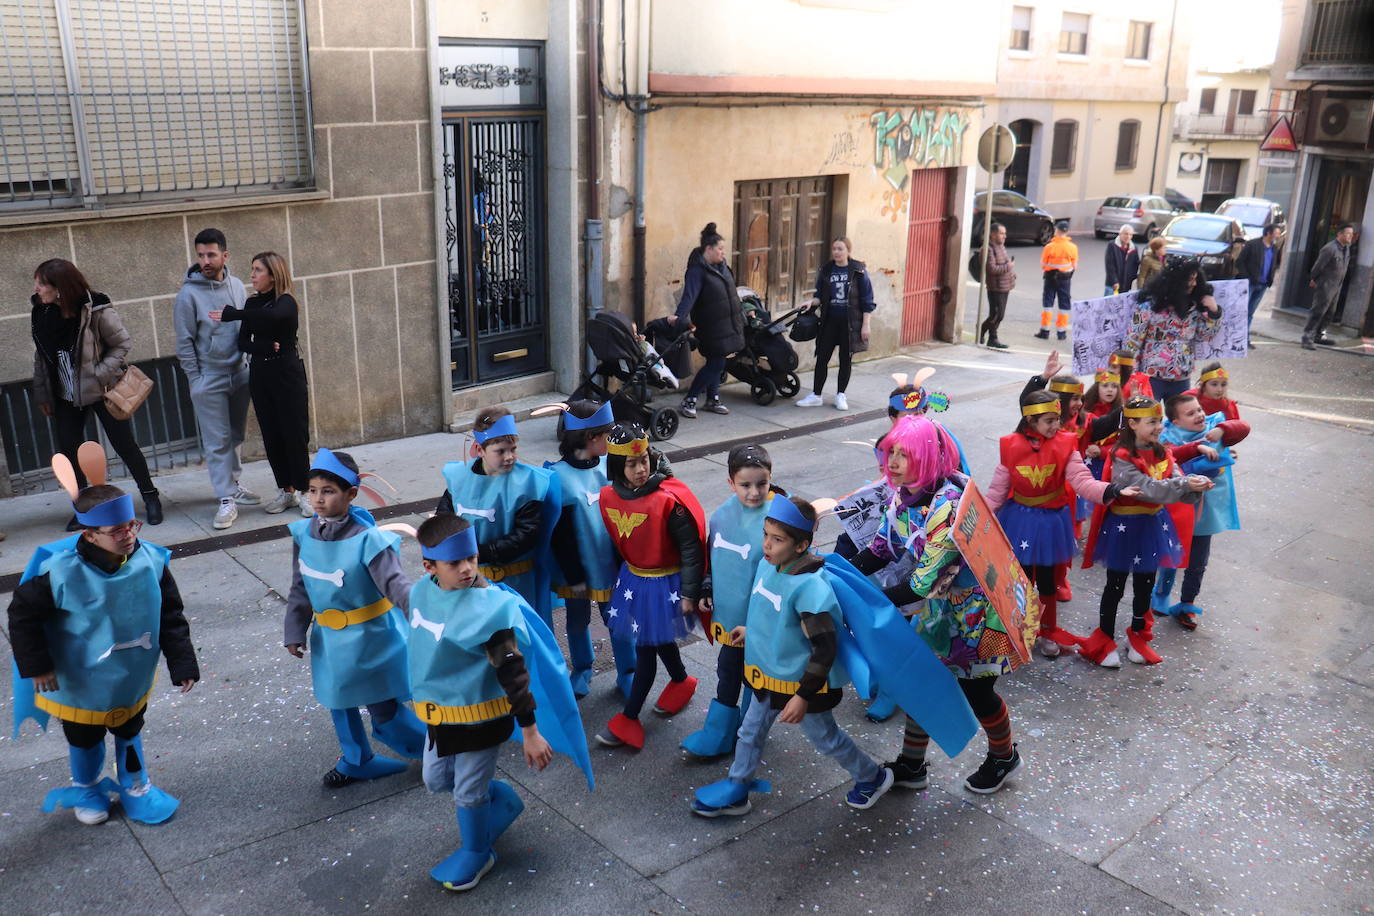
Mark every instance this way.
x=143 y=100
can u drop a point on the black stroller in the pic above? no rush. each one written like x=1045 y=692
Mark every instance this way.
x=767 y=364
x=620 y=356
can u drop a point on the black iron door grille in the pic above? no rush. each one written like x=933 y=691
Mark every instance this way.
x=495 y=233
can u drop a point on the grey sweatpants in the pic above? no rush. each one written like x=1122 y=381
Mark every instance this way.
x=221 y=403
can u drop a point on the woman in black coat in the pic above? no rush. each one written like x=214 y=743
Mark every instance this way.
x=711 y=303
x=844 y=295
x=276 y=378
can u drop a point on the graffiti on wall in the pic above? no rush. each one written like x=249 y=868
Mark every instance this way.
x=919 y=138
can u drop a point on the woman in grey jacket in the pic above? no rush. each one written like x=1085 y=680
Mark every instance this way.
x=80 y=347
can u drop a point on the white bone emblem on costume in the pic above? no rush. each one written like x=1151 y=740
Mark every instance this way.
x=775 y=600
x=334 y=578
x=723 y=544
x=436 y=629
x=593 y=498
x=143 y=642
x=488 y=514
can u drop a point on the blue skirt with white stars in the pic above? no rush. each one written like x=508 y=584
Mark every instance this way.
x=1138 y=543
x=647 y=609
x=1039 y=537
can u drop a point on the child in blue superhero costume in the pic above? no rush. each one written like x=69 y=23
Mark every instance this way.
x=791 y=661
x=346 y=577
x=735 y=538
x=586 y=558
x=512 y=506
x=471 y=685
x=87 y=624
x=1213 y=434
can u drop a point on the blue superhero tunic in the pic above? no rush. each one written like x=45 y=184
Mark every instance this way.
x=775 y=648
x=104 y=644
x=490 y=502
x=735 y=536
x=358 y=642
x=1219 y=511
x=581 y=490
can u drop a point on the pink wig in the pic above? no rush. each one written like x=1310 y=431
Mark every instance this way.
x=929 y=448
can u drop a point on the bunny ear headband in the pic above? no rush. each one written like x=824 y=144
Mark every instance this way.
x=603 y=416
x=91 y=457
x=920 y=399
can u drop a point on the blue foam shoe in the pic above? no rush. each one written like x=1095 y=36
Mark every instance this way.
x=1186 y=614
x=465 y=868
x=404 y=733
x=581 y=679
x=881 y=709
x=1163 y=591
x=506 y=806
x=142 y=801
x=357 y=760
x=581 y=657
x=727 y=798
x=717 y=736
x=88 y=794
x=623 y=650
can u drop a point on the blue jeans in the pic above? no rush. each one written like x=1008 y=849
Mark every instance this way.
x=467 y=775
x=1257 y=292
x=819 y=728
x=708 y=378
x=1165 y=388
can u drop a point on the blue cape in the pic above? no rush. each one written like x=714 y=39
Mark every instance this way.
x=24 y=706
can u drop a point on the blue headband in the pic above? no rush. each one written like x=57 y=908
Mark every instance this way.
x=502 y=427
x=325 y=461
x=920 y=399
x=786 y=512
x=453 y=548
x=604 y=416
x=112 y=512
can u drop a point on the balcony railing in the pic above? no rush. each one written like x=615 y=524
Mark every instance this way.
x=1340 y=32
x=1220 y=126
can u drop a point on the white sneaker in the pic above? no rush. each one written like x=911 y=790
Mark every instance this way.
x=91 y=816
x=284 y=500
x=841 y=402
x=227 y=514
x=1113 y=660
x=1047 y=647
x=1133 y=655
x=307 y=510
x=811 y=400
x=246 y=497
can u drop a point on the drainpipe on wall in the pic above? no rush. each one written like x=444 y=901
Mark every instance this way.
x=1159 y=120
x=593 y=233
x=640 y=253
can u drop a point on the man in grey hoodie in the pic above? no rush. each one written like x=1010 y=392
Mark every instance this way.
x=208 y=351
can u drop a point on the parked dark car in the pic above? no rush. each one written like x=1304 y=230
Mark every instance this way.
x=1180 y=201
x=1253 y=213
x=1203 y=236
x=1025 y=221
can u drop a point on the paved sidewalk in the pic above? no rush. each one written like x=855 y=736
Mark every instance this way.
x=1235 y=777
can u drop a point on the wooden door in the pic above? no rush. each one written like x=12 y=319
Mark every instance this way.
x=781 y=237
x=924 y=290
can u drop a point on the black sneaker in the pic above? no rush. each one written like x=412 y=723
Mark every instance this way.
x=1043 y=334
x=715 y=406
x=993 y=773
x=907 y=776
x=1324 y=341
x=688 y=408
x=996 y=344
x=1061 y=335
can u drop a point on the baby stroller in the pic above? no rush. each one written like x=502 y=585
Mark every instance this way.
x=767 y=364
x=639 y=368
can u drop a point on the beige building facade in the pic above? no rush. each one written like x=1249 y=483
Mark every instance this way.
x=1089 y=89
x=1217 y=134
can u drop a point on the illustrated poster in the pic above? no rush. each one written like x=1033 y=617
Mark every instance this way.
x=988 y=553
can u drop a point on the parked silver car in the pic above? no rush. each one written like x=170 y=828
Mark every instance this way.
x=1146 y=214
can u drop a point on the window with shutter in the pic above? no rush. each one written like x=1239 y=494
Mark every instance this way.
x=1063 y=148
x=1073 y=33
x=1020 y=28
x=165 y=99
x=1127 y=142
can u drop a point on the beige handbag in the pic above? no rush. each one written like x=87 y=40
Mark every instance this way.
x=125 y=396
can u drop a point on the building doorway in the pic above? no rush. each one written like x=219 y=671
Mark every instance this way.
x=1017 y=176
x=1220 y=183
x=925 y=292
x=1342 y=190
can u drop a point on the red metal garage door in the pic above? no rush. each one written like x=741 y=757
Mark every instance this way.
x=925 y=291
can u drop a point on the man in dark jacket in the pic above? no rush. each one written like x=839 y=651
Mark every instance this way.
x=710 y=301
x=1328 y=273
x=1258 y=263
x=1123 y=263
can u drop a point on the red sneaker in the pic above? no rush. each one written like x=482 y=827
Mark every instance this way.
x=676 y=696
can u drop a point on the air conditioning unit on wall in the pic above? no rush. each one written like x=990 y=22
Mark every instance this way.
x=1343 y=119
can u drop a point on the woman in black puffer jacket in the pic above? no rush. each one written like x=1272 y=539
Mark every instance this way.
x=710 y=302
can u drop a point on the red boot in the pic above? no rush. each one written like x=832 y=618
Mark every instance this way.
x=1050 y=629
x=626 y=730
x=1098 y=647
x=1062 y=590
x=1141 y=653
x=676 y=696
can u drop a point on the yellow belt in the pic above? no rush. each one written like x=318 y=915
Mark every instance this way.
x=1035 y=500
x=720 y=634
x=754 y=677
x=335 y=619
x=434 y=714
x=593 y=594
x=1134 y=510
x=110 y=718
x=497 y=573
x=653 y=573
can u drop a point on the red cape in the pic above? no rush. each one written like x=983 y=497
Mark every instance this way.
x=1183 y=515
